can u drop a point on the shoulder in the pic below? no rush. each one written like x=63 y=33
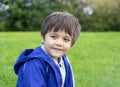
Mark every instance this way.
x=36 y=67
x=36 y=63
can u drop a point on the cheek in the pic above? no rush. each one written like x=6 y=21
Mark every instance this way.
x=67 y=47
x=48 y=42
x=45 y=40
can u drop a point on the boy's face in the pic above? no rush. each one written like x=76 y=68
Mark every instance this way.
x=57 y=43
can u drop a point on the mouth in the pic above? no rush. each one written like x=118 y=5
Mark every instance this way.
x=58 y=49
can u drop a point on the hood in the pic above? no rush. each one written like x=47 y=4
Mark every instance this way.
x=22 y=59
x=29 y=54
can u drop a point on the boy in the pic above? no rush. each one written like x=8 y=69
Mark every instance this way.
x=47 y=65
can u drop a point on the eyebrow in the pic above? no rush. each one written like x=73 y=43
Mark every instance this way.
x=67 y=35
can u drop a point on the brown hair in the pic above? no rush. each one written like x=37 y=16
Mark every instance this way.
x=61 y=21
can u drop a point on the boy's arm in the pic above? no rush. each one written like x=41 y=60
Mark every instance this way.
x=33 y=74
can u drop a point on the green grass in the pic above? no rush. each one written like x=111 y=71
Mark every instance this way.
x=95 y=57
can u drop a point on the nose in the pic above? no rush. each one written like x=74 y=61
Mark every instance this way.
x=59 y=42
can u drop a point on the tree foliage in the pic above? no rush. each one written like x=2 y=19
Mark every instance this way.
x=27 y=15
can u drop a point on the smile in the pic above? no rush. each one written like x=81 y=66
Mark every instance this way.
x=58 y=49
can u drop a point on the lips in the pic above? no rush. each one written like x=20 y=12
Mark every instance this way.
x=58 y=49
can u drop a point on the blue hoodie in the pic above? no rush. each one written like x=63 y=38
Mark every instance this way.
x=36 y=69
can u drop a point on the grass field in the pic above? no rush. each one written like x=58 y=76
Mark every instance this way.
x=95 y=57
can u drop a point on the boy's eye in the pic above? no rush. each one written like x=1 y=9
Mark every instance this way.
x=53 y=36
x=66 y=39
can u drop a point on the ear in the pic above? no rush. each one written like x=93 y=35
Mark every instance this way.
x=43 y=40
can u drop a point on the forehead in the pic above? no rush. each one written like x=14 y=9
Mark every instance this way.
x=60 y=32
